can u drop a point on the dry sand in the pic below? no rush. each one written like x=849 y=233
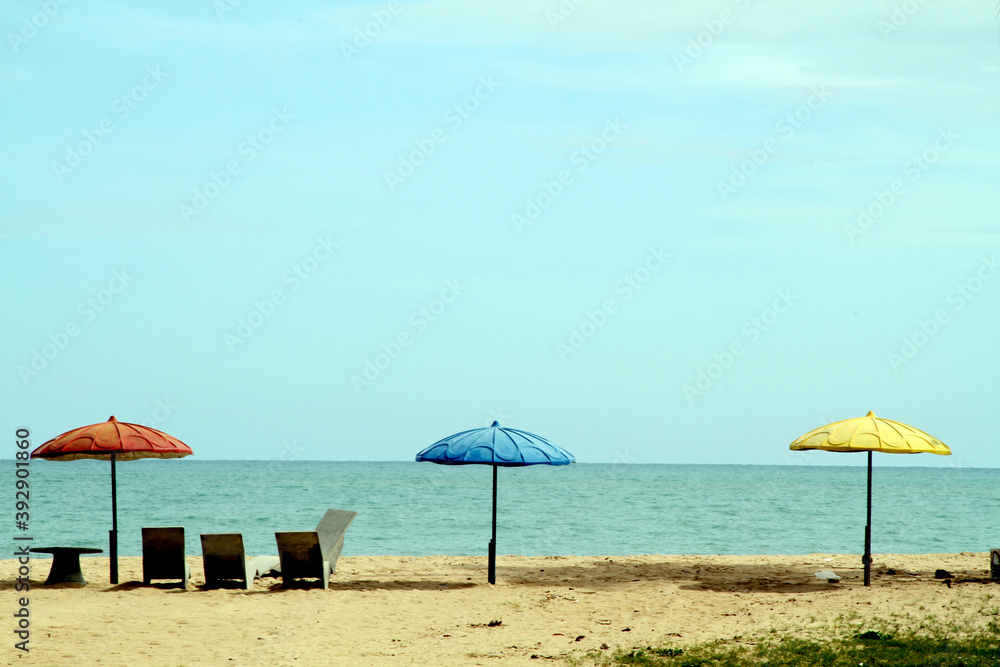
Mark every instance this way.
x=389 y=610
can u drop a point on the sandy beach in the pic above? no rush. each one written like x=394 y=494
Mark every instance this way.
x=439 y=610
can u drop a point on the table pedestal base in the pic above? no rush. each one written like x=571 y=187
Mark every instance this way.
x=66 y=564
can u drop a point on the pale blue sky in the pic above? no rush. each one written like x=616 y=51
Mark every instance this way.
x=634 y=228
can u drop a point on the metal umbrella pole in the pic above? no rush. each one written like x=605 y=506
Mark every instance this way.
x=492 y=574
x=113 y=533
x=868 y=527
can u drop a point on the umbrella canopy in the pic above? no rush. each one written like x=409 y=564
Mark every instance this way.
x=496 y=446
x=112 y=440
x=870 y=434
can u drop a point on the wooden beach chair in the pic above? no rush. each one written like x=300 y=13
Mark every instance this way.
x=313 y=554
x=225 y=559
x=163 y=555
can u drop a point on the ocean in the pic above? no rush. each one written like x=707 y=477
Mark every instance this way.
x=418 y=509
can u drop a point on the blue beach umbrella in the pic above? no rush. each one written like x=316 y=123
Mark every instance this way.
x=495 y=446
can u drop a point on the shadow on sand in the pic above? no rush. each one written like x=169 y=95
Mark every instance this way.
x=691 y=574
x=610 y=573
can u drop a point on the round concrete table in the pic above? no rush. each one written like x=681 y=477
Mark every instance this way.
x=66 y=564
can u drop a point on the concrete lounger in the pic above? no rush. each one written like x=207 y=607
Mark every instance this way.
x=163 y=555
x=225 y=559
x=313 y=554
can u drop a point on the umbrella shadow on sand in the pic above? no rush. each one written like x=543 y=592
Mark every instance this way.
x=612 y=573
x=137 y=585
x=272 y=587
x=401 y=585
x=606 y=574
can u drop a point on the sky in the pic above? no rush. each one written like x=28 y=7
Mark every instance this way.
x=651 y=231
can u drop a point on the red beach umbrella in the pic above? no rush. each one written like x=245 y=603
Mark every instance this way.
x=112 y=440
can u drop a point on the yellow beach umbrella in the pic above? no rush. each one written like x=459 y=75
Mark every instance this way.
x=870 y=434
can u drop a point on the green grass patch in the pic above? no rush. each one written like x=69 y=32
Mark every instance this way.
x=872 y=648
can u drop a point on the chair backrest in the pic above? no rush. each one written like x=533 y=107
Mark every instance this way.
x=300 y=554
x=331 y=531
x=223 y=556
x=163 y=554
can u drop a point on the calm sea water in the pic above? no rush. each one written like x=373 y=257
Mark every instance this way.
x=417 y=509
